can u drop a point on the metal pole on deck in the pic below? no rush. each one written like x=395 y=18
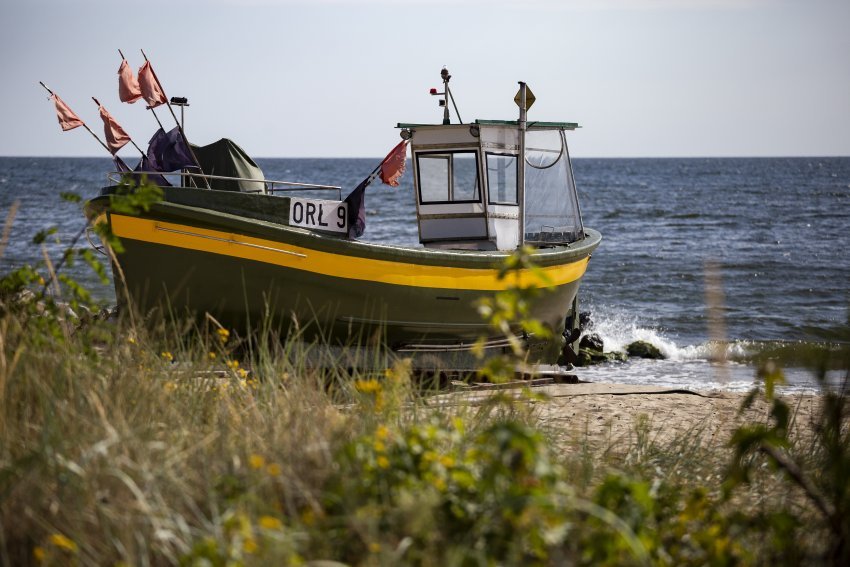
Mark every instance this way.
x=523 y=109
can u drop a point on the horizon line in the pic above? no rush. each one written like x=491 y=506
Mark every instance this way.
x=572 y=157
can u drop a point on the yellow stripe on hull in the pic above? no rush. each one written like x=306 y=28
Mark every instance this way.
x=335 y=265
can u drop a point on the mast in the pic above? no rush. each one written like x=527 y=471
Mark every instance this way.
x=523 y=109
x=445 y=75
x=447 y=95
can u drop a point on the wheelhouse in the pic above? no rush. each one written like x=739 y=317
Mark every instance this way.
x=475 y=191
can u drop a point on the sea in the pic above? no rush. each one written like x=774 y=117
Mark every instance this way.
x=771 y=236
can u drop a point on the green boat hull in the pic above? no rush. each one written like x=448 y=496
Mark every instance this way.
x=233 y=256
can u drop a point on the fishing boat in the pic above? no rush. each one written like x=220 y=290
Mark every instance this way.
x=247 y=250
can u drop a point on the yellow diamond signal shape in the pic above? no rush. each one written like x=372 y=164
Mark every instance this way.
x=529 y=97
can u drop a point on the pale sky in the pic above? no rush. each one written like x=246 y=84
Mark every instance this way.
x=331 y=78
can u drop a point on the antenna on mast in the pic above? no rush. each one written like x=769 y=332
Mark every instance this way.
x=446 y=94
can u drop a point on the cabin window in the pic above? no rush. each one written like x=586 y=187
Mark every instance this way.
x=502 y=178
x=448 y=177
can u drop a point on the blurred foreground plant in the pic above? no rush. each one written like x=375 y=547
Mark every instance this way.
x=821 y=471
x=508 y=313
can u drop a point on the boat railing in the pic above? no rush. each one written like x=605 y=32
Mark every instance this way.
x=271 y=186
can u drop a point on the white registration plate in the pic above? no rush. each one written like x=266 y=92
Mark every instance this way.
x=318 y=214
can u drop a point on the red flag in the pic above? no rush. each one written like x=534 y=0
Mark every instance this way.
x=128 y=85
x=67 y=119
x=116 y=137
x=392 y=168
x=151 y=91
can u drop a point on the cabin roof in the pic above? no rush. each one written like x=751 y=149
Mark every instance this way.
x=531 y=124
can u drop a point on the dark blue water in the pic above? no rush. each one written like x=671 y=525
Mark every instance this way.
x=778 y=228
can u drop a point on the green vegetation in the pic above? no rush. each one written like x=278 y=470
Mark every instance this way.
x=122 y=444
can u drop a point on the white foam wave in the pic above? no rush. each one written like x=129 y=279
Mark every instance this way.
x=686 y=366
x=618 y=329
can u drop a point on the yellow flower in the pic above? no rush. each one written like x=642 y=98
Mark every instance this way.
x=38 y=553
x=212 y=355
x=274 y=469
x=242 y=373
x=256 y=461
x=131 y=340
x=270 y=523
x=250 y=546
x=383 y=462
x=63 y=542
x=382 y=432
x=170 y=386
x=374 y=547
x=167 y=356
x=233 y=364
x=379 y=446
x=223 y=335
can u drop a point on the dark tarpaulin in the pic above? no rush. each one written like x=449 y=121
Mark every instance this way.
x=227 y=159
x=168 y=151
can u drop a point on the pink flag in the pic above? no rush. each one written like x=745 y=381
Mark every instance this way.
x=151 y=91
x=392 y=168
x=128 y=85
x=67 y=119
x=116 y=137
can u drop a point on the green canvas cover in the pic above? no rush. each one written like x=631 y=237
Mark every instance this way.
x=226 y=158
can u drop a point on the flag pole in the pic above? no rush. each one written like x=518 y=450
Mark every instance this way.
x=179 y=127
x=97 y=102
x=371 y=177
x=157 y=118
x=86 y=126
